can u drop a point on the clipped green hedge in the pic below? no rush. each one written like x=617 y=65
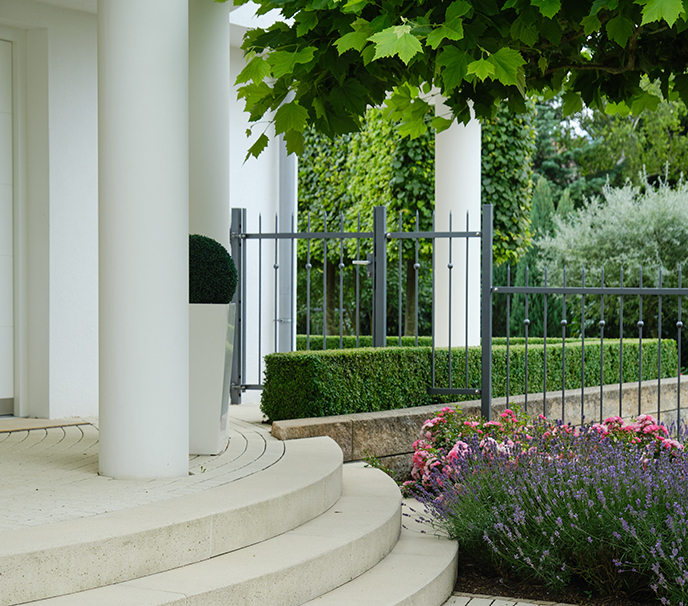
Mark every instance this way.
x=306 y=384
x=349 y=342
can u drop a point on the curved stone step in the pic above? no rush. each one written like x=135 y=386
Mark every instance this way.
x=247 y=506
x=421 y=569
x=287 y=570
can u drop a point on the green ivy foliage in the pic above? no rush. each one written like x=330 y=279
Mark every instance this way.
x=352 y=173
x=508 y=144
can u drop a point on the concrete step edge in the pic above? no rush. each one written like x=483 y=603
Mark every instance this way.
x=288 y=570
x=76 y=555
x=421 y=569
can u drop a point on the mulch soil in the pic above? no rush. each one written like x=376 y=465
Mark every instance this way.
x=473 y=579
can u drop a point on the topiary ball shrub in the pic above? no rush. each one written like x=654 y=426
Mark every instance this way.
x=212 y=273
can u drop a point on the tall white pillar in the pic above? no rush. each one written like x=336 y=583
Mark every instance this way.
x=143 y=103
x=457 y=191
x=288 y=206
x=209 y=99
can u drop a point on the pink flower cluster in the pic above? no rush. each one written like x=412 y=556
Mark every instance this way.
x=644 y=430
x=444 y=438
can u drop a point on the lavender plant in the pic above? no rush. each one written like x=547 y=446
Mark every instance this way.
x=605 y=503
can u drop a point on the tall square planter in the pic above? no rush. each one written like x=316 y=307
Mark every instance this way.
x=211 y=343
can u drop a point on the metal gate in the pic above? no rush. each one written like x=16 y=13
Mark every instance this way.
x=376 y=267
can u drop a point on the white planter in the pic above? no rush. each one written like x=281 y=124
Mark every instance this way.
x=211 y=341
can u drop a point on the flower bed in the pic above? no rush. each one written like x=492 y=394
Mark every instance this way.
x=606 y=504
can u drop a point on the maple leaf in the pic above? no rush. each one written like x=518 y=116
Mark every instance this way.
x=656 y=10
x=398 y=41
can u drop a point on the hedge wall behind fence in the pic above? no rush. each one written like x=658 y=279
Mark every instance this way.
x=349 y=342
x=305 y=384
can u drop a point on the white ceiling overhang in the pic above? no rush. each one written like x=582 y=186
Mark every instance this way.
x=89 y=6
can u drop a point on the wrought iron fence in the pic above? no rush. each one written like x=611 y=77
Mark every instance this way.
x=283 y=259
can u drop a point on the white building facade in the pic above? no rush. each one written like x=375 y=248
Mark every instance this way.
x=120 y=134
x=115 y=122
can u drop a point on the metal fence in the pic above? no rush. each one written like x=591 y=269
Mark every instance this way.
x=265 y=246
x=581 y=295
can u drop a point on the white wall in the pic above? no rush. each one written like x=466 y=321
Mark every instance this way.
x=254 y=185
x=58 y=248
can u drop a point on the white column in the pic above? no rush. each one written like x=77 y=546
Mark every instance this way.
x=6 y=233
x=209 y=98
x=457 y=191
x=288 y=206
x=143 y=102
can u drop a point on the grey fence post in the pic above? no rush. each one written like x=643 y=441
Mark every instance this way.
x=379 y=276
x=486 y=315
x=236 y=230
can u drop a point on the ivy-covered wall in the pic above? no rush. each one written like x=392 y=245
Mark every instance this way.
x=347 y=176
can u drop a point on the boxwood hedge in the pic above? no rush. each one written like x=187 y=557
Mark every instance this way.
x=304 y=384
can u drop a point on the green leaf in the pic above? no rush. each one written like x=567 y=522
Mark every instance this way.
x=482 y=68
x=507 y=65
x=439 y=123
x=620 y=29
x=644 y=100
x=444 y=32
x=414 y=129
x=527 y=33
x=319 y=108
x=352 y=40
x=355 y=6
x=257 y=148
x=349 y=96
x=306 y=20
x=598 y=5
x=591 y=24
x=656 y=10
x=457 y=9
x=284 y=62
x=290 y=116
x=543 y=64
x=294 y=141
x=572 y=103
x=254 y=93
x=455 y=63
x=396 y=41
x=548 y=8
x=257 y=69
x=619 y=108
x=368 y=54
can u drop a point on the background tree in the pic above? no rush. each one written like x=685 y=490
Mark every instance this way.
x=335 y=58
x=631 y=227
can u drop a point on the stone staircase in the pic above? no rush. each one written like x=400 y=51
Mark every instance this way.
x=287 y=527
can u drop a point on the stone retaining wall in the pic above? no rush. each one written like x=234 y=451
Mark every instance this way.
x=389 y=435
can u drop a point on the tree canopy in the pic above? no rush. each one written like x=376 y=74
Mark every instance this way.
x=330 y=59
